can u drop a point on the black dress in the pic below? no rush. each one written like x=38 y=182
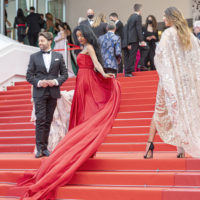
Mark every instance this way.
x=20 y=23
x=152 y=47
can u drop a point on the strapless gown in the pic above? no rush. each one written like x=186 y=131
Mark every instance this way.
x=95 y=105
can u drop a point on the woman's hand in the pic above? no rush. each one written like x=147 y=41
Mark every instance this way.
x=108 y=75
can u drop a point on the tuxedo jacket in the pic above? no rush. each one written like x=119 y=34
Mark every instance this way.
x=37 y=71
x=134 y=29
x=119 y=29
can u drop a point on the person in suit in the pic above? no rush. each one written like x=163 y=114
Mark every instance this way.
x=110 y=49
x=46 y=72
x=119 y=31
x=90 y=18
x=134 y=37
x=196 y=28
x=34 y=24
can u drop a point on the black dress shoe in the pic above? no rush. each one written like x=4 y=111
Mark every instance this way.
x=128 y=75
x=46 y=153
x=39 y=154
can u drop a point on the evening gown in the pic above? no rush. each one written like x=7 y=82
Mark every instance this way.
x=95 y=105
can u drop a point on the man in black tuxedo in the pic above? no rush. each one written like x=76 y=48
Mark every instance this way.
x=90 y=18
x=119 y=31
x=46 y=72
x=34 y=24
x=134 y=37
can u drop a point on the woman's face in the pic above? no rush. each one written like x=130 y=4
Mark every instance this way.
x=61 y=28
x=81 y=38
x=166 y=21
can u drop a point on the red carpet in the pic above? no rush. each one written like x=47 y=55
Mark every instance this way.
x=118 y=172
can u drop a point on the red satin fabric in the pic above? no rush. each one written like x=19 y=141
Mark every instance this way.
x=95 y=105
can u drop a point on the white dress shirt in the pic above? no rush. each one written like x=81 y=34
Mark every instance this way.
x=47 y=62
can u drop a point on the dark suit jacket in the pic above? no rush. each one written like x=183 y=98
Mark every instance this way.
x=100 y=30
x=124 y=41
x=86 y=22
x=34 y=22
x=134 y=29
x=119 y=29
x=37 y=71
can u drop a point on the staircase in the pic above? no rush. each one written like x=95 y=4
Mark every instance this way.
x=118 y=172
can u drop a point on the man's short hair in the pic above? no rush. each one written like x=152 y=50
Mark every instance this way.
x=32 y=8
x=111 y=26
x=114 y=15
x=137 y=7
x=47 y=35
x=196 y=24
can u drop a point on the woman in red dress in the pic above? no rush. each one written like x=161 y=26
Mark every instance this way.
x=95 y=105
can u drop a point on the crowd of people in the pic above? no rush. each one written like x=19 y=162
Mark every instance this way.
x=137 y=43
x=96 y=99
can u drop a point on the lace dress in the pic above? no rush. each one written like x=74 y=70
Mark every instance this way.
x=177 y=109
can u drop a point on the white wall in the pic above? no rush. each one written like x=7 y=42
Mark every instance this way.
x=78 y=8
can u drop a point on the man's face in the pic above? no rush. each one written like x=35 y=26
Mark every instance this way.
x=90 y=14
x=112 y=18
x=44 y=44
x=196 y=30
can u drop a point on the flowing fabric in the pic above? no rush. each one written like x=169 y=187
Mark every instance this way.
x=60 y=122
x=94 y=107
x=61 y=44
x=177 y=110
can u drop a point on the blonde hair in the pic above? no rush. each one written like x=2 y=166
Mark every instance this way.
x=176 y=18
x=97 y=20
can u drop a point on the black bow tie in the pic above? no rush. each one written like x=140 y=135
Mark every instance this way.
x=46 y=52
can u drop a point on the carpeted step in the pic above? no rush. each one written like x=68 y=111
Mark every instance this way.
x=10 y=126
x=105 y=147
x=121 y=178
x=136 y=114
x=129 y=130
x=144 y=107
x=17 y=133
x=16 y=113
x=126 y=193
x=132 y=122
x=18 y=119
x=126 y=138
x=109 y=162
x=17 y=140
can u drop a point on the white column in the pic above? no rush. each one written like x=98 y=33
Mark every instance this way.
x=2 y=17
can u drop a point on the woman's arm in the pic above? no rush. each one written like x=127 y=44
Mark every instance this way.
x=97 y=65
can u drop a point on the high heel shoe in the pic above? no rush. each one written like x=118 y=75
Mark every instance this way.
x=180 y=155
x=150 y=149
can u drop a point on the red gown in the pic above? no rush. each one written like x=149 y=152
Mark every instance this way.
x=95 y=105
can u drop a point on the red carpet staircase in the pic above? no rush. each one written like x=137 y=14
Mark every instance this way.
x=118 y=172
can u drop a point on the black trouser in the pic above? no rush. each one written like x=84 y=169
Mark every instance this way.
x=130 y=58
x=44 y=110
x=143 y=56
x=33 y=38
x=110 y=70
x=150 y=56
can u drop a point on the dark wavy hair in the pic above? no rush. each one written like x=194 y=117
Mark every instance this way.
x=154 y=23
x=20 y=13
x=91 y=39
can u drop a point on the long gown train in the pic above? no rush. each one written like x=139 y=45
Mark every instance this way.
x=95 y=105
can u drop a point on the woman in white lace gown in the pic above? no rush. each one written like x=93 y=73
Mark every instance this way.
x=60 y=123
x=60 y=43
x=177 y=110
